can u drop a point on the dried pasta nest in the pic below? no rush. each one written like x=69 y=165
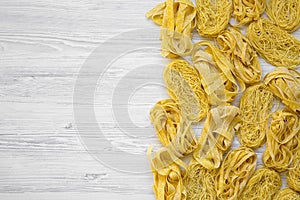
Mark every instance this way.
x=248 y=10
x=285 y=84
x=165 y=117
x=275 y=45
x=217 y=136
x=184 y=85
x=287 y=194
x=216 y=76
x=293 y=175
x=200 y=182
x=242 y=55
x=212 y=16
x=262 y=185
x=234 y=173
x=177 y=21
x=285 y=13
x=255 y=104
x=282 y=140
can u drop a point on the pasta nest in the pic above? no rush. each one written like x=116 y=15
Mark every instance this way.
x=287 y=194
x=248 y=10
x=234 y=173
x=285 y=13
x=200 y=182
x=293 y=175
x=212 y=16
x=262 y=185
x=215 y=70
x=275 y=45
x=177 y=21
x=217 y=136
x=282 y=140
x=255 y=104
x=242 y=55
x=184 y=86
x=285 y=84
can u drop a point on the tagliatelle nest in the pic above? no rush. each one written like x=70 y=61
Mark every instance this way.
x=262 y=185
x=177 y=21
x=234 y=173
x=212 y=16
x=215 y=71
x=285 y=84
x=255 y=104
x=200 y=182
x=282 y=140
x=242 y=55
x=278 y=47
x=165 y=117
x=217 y=136
x=287 y=194
x=248 y=10
x=285 y=13
x=293 y=175
x=184 y=85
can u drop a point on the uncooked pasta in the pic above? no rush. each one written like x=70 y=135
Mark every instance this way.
x=285 y=84
x=275 y=45
x=262 y=185
x=165 y=117
x=248 y=10
x=293 y=175
x=242 y=55
x=215 y=71
x=287 y=194
x=177 y=21
x=217 y=135
x=184 y=86
x=212 y=16
x=282 y=140
x=234 y=173
x=285 y=13
x=200 y=182
x=255 y=104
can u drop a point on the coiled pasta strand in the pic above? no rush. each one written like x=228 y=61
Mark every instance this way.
x=255 y=104
x=275 y=45
x=293 y=175
x=287 y=194
x=234 y=173
x=242 y=55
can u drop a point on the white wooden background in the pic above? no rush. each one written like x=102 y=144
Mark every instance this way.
x=43 y=44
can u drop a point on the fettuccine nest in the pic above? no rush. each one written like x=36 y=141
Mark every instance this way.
x=262 y=185
x=285 y=13
x=274 y=44
x=293 y=175
x=255 y=104
x=287 y=194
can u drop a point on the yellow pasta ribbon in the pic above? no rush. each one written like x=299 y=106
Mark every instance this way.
x=215 y=70
x=234 y=173
x=255 y=104
x=275 y=45
x=200 y=182
x=184 y=86
x=165 y=117
x=177 y=21
x=285 y=84
x=264 y=184
x=285 y=13
x=242 y=55
x=293 y=175
x=282 y=140
x=248 y=10
x=212 y=16
x=287 y=194
x=217 y=136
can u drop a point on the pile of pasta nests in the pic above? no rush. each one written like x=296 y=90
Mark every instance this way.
x=223 y=66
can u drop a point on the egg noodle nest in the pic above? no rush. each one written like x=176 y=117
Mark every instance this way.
x=293 y=175
x=287 y=194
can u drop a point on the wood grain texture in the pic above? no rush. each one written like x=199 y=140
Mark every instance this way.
x=43 y=45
